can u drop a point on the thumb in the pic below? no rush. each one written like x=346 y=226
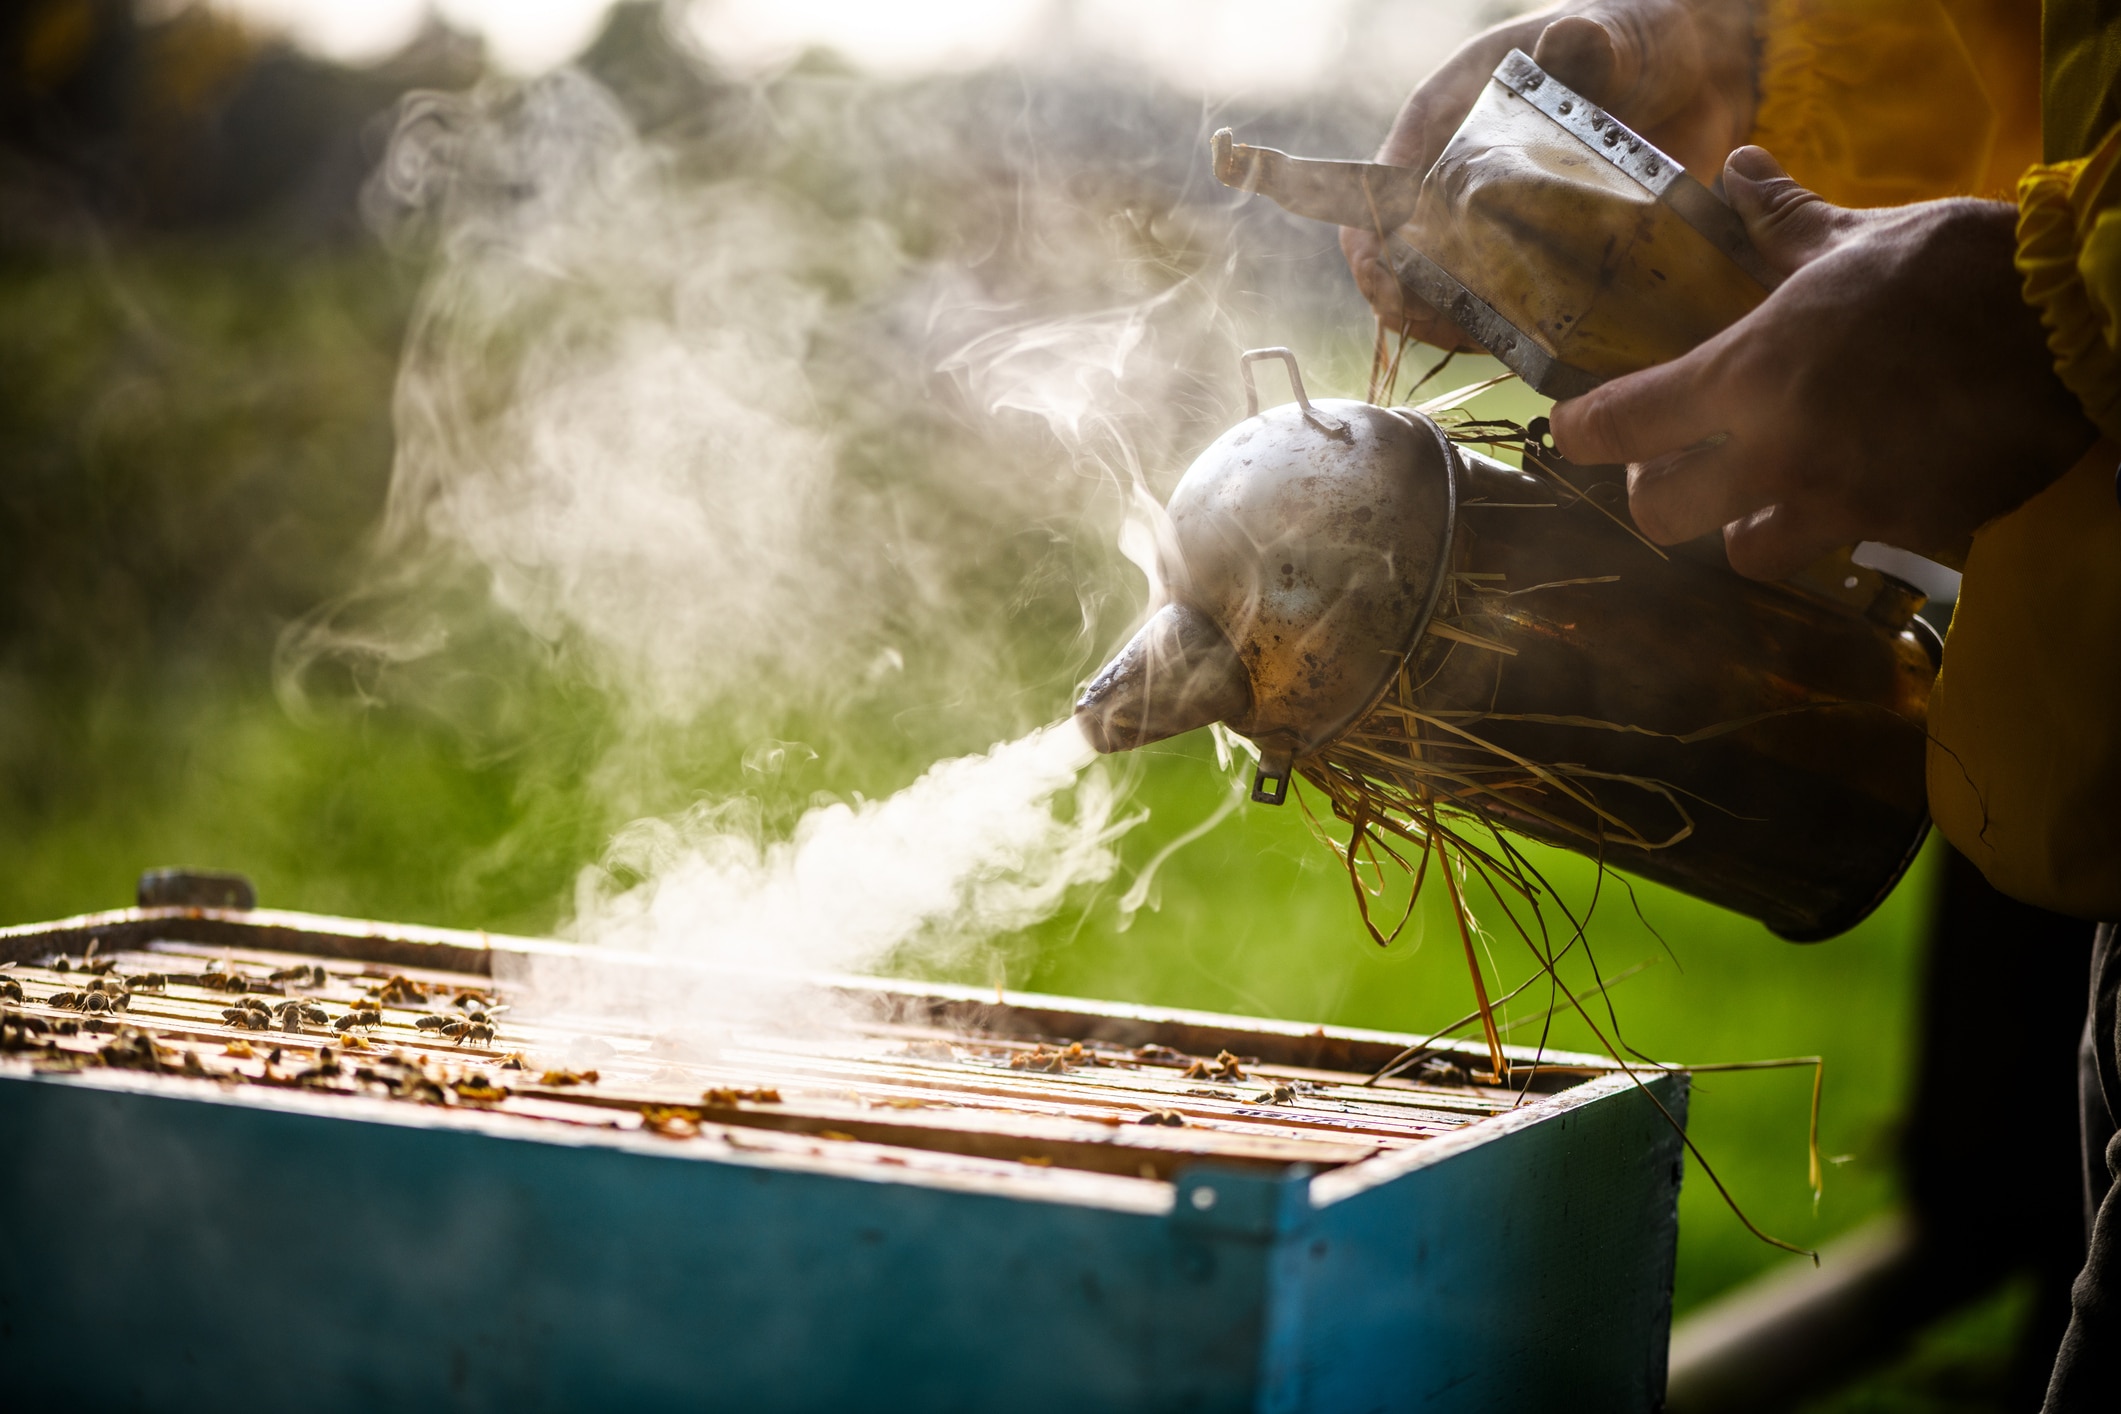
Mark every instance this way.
x=1790 y=225
x=1643 y=61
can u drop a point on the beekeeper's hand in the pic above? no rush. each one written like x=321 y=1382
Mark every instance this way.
x=1895 y=387
x=1680 y=72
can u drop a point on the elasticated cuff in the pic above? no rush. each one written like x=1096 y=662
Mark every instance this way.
x=2069 y=255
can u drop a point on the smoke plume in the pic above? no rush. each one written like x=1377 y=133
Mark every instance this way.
x=735 y=462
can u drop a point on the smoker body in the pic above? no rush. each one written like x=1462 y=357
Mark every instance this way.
x=175 y=1244
x=1773 y=736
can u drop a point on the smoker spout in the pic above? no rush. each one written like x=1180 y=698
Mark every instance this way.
x=1178 y=673
x=1364 y=194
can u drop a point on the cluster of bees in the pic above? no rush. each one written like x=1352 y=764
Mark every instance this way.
x=268 y=1004
x=1224 y=1067
x=1058 y=1060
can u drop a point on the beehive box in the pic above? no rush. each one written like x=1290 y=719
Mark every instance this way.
x=315 y=1162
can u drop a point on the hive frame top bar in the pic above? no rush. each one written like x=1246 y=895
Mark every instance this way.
x=1328 y=1158
x=1006 y=1013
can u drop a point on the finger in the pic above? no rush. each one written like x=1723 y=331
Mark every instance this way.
x=1777 y=541
x=1641 y=416
x=1378 y=284
x=1642 y=60
x=1790 y=225
x=1695 y=492
x=1400 y=309
x=1580 y=52
x=1434 y=110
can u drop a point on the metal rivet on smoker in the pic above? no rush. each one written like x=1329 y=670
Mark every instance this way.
x=1567 y=107
x=1653 y=168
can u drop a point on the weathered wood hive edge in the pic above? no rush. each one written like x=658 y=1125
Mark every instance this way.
x=1015 y=1014
x=1522 y=1264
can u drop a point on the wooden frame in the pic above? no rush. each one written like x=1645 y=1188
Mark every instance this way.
x=175 y=1242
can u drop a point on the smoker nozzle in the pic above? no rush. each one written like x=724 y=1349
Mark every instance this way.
x=1179 y=672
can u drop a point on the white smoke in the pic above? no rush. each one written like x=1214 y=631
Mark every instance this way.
x=610 y=419
x=970 y=848
x=604 y=403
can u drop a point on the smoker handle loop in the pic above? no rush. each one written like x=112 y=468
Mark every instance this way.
x=1323 y=421
x=1245 y=361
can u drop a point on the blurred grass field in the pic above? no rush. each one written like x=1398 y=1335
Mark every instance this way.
x=196 y=448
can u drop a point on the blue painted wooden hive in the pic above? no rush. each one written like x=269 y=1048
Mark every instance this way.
x=952 y=1200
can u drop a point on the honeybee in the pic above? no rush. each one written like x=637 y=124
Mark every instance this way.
x=136 y=1050
x=361 y=1015
x=479 y=1090
x=568 y=1077
x=11 y=990
x=1224 y=1067
x=401 y=991
x=326 y=1068
x=18 y=1031
x=674 y=1121
x=293 y=1013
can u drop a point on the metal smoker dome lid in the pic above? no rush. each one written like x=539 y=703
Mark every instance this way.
x=1312 y=541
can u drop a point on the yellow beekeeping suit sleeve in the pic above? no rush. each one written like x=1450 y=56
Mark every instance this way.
x=1873 y=102
x=1879 y=102
x=2025 y=755
x=2025 y=726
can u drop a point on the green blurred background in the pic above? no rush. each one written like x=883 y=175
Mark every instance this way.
x=197 y=361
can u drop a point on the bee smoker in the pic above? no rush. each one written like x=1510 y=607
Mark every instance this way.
x=1355 y=593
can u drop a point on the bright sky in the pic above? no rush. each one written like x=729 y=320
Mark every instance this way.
x=1216 y=46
